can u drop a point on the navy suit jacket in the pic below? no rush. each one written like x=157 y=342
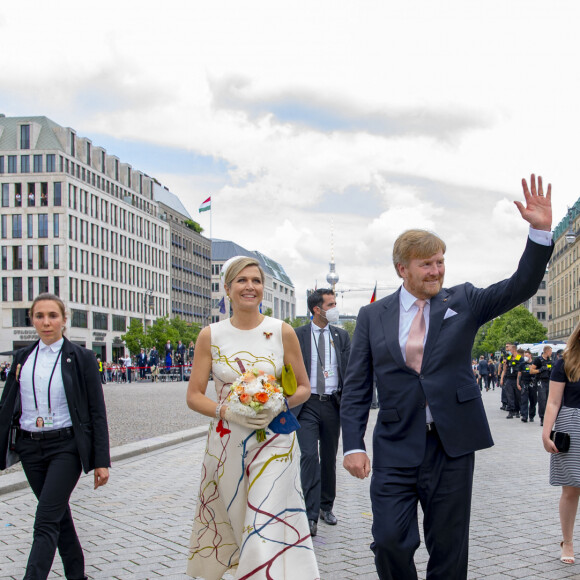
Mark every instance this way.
x=341 y=340
x=446 y=378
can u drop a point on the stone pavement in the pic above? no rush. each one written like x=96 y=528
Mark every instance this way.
x=138 y=525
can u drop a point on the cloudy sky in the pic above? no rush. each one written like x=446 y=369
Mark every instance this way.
x=364 y=118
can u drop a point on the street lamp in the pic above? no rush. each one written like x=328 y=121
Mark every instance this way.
x=570 y=234
x=147 y=302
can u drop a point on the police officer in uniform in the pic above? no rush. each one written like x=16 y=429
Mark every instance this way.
x=509 y=380
x=527 y=388
x=542 y=368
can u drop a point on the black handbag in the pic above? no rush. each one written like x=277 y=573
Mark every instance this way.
x=561 y=440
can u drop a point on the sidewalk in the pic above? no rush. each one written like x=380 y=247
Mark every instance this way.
x=138 y=525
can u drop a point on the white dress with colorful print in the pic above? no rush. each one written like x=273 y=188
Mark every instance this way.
x=250 y=518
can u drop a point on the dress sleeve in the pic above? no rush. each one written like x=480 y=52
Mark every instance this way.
x=558 y=373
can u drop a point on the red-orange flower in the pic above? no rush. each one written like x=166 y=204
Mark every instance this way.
x=245 y=399
x=261 y=397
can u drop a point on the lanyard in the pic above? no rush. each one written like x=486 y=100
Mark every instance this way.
x=49 y=381
x=330 y=342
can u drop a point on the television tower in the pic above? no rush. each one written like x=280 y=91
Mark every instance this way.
x=332 y=276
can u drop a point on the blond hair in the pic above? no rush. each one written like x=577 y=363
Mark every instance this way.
x=571 y=356
x=235 y=268
x=416 y=244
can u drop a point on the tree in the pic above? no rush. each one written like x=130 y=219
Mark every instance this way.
x=134 y=336
x=192 y=225
x=267 y=312
x=518 y=325
x=349 y=326
x=176 y=329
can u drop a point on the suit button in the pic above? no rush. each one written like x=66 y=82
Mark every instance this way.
x=421 y=377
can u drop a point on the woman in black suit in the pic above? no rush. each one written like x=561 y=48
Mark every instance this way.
x=52 y=416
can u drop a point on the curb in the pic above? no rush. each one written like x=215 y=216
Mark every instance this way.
x=17 y=481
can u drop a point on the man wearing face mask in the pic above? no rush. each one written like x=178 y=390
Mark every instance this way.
x=325 y=349
x=527 y=388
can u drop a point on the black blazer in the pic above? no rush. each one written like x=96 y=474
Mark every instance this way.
x=446 y=378
x=86 y=403
x=341 y=340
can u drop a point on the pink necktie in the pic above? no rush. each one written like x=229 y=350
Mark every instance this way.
x=414 y=348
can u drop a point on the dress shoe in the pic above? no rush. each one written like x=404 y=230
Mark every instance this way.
x=531 y=419
x=541 y=422
x=503 y=408
x=328 y=517
x=524 y=420
x=510 y=416
x=313 y=527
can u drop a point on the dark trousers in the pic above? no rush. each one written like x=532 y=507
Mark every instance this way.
x=513 y=395
x=443 y=487
x=528 y=400
x=484 y=382
x=53 y=468
x=318 y=438
x=543 y=392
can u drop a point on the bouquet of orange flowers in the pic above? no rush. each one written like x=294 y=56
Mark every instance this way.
x=253 y=392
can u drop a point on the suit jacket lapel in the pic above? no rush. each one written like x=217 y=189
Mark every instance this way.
x=438 y=307
x=390 y=324
x=66 y=369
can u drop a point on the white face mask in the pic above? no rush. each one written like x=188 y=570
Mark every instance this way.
x=332 y=315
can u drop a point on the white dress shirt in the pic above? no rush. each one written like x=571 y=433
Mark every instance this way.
x=330 y=362
x=45 y=362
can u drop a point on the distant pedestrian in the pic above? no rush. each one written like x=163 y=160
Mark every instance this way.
x=483 y=370
x=190 y=352
x=563 y=416
x=53 y=418
x=142 y=364
x=542 y=369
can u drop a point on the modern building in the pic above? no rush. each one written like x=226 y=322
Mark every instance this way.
x=538 y=304
x=190 y=260
x=279 y=292
x=564 y=276
x=82 y=224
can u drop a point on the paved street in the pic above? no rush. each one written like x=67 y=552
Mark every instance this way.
x=138 y=525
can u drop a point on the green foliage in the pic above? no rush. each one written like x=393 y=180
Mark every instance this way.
x=193 y=226
x=518 y=325
x=267 y=312
x=158 y=333
x=349 y=326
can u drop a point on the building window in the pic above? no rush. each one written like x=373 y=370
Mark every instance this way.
x=4 y=289
x=20 y=317
x=37 y=164
x=43 y=225
x=57 y=285
x=30 y=257
x=100 y=321
x=25 y=164
x=56 y=225
x=11 y=163
x=17 y=226
x=31 y=194
x=43 y=257
x=4 y=258
x=17 y=257
x=24 y=136
x=30 y=225
x=18 y=195
x=4 y=226
x=72 y=144
x=541 y=299
x=44 y=194
x=30 y=289
x=1 y=163
x=43 y=284
x=541 y=315
x=17 y=289
x=57 y=194
x=5 y=195
x=56 y=251
x=79 y=319
x=119 y=323
x=51 y=163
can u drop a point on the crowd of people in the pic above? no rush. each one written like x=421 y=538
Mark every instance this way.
x=269 y=471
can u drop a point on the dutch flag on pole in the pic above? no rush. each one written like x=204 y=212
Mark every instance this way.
x=206 y=205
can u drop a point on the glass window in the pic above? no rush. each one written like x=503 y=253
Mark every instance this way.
x=57 y=194
x=57 y=285
x=30 y=257
x=51 y=163
x=24 y=136
x=20 y=317
x=43 y=257
x=18 y=195
x=37 y=164
x=79 y=319
x=44 y=194
x=56 y=225
x=56 y=257
x=5 y=195
x=4 y=226
x=31 y=194
x=30 y=288
x=29 y=225
x=43 y=284
x=1 y=163
x=17 y=257
x=4 y=289
x=100 y=321
x=17 y=226
x=11 y=163
x=17 y=289
x=43 y=225
x=25 y=164
x=4 y=258
x=119 y=323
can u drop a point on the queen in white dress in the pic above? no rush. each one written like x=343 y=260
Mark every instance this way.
x=250 y=517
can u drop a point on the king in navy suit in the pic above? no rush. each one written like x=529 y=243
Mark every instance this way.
x=431 y=418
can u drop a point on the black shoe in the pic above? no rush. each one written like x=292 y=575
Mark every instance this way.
x=328 y=518
x=510 y=416
x=313 y=527
x=541 y=422
x=503 y=408
x=524 y=420
x=517 y=415
x=531 y=419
